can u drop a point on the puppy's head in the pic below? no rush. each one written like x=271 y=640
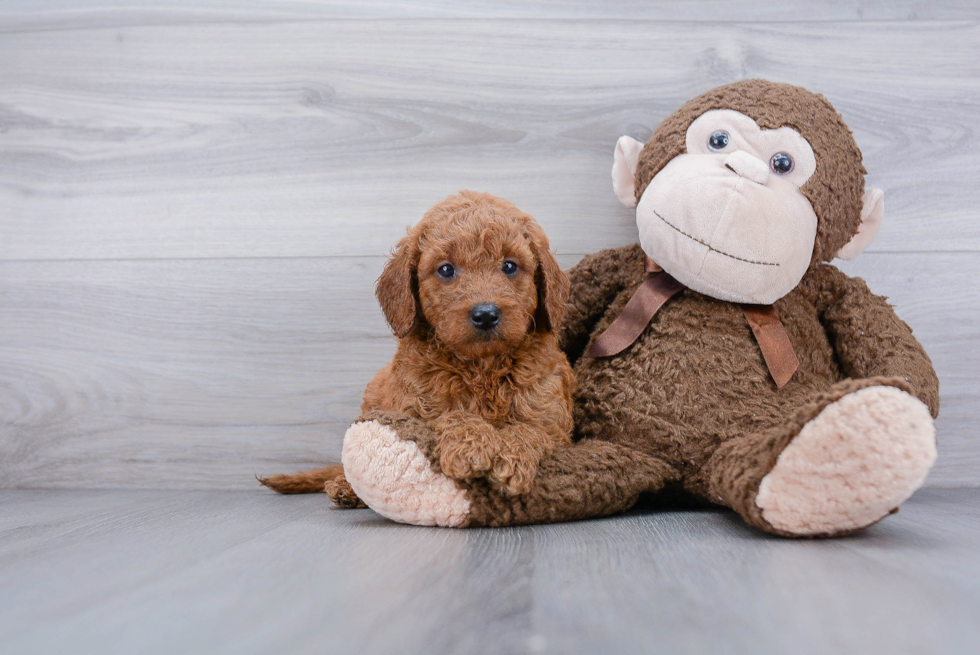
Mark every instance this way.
x=476 y=272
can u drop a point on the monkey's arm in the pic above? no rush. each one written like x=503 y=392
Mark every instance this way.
x=595 y=282
x=868 y=337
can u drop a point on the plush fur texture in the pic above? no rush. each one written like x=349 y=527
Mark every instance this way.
x=690 y=407
x=592 y=478
x=643 y=423
x=652 y=396
x=394 y=477
x=498 y=400
x=851 y=465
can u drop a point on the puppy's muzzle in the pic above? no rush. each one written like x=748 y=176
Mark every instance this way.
x=485 y=316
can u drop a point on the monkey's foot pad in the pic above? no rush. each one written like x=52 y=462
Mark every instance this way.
x=852 y=465
x=395 y=479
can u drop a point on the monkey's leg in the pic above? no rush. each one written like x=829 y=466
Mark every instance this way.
x=842 y=462
x=585 y=480
x=389 y=463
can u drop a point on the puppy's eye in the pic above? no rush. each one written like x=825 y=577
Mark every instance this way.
x=781 y=163
x=719 y=140
x=509 y=268
x=446 y=271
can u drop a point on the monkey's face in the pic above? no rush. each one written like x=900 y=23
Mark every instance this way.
x=727 y=218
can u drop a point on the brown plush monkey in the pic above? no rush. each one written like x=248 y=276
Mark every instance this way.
x=721 y=355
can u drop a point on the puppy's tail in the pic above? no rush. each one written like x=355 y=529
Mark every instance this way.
x=306 y=482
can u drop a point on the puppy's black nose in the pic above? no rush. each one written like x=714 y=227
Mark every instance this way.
x=485 y=316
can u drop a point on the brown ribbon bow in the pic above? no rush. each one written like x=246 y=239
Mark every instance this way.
x=660 y=287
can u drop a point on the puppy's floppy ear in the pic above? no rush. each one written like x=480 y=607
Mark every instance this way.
x=552 y=283
x=396 y=289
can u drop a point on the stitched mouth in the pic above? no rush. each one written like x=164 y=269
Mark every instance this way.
x=708 y=246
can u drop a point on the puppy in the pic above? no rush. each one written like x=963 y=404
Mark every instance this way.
x=474 y=297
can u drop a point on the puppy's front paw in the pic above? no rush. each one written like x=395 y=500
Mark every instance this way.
x=513 y=472
x=467 y=458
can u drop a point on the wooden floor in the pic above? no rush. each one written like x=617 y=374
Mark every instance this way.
x=250 y=572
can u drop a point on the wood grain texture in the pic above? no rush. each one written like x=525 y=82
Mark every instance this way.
x=250 y=572
x=201 y=373
x=72 y=14
x=195 y=198
x=168 y=372
x=327 y=137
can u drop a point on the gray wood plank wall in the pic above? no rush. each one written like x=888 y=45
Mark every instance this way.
x=196 y=198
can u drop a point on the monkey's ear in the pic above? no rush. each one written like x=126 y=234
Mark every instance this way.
x=872 y=213
x=624 y=169
x=396 y=287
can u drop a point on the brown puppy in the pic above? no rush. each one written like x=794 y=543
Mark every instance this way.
x=474 y=296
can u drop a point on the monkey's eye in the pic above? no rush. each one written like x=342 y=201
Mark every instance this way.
x=781 y=163
x=509 y=268
x=719 y=140
x=446 y=271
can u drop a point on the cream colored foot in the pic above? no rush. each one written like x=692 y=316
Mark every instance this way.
x=393 y=477
x=859 y=459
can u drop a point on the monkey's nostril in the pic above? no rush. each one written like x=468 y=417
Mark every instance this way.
x=485 y=316
x=747 y=166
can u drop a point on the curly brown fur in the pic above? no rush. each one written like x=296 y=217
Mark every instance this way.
x=739 y=464
x=652 y=396
x=497 y=400
x=690 y=405
x=342 y=494
x=585 y=480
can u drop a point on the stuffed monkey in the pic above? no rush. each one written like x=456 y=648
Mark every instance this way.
x=721 y=356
